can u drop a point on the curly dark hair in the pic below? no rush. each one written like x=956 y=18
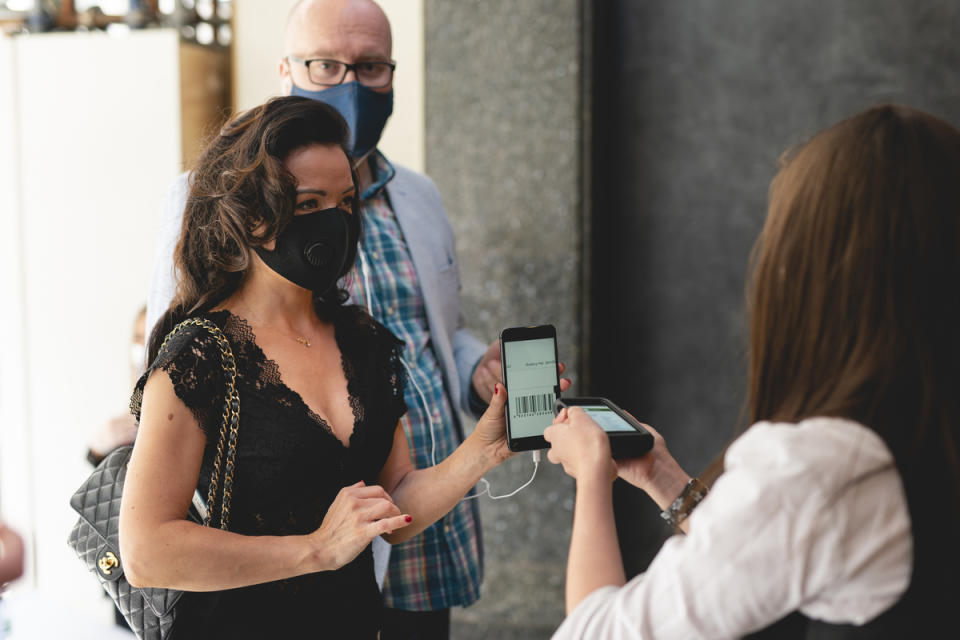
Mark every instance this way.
x=242 y=196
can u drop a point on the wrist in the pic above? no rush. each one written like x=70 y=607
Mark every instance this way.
x=472 y=459
x=316 y=554
x=691 y=495
x=597 y=475
x=666 y=482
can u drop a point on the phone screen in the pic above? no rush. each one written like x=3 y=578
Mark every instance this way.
x=530 y=367
x=607 y=418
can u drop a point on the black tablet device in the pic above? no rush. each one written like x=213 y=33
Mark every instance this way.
x=628 y=438
x=529 y=360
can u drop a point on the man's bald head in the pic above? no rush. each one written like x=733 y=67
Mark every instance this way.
x=318 y=24
x=350 y=31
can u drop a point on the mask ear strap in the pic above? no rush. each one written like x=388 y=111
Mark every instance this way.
x=361 y=160
x=346 y=233
x=346 y=245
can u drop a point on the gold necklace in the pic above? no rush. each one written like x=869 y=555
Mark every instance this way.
x=298 y=338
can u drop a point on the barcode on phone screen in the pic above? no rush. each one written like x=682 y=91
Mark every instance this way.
x=539 y=404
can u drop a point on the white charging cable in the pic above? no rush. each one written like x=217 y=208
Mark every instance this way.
x=486 y=484
x=368 y=295
x=426 y=408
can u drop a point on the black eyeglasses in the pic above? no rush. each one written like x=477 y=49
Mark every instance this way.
x=329 y=73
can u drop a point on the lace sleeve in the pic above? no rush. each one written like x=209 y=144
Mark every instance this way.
x=386 y=351
x=192 y=360
x=376 y=353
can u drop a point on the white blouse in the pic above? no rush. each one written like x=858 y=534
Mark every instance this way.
x=809 y=516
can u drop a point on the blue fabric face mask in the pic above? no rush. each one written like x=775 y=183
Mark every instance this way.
x=365 y=110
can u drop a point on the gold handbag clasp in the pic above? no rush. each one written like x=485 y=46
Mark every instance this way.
x=108 y=562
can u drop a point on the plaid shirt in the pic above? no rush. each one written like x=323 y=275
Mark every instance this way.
x=440 y=568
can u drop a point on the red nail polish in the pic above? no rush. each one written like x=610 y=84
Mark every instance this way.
x=496 y=389
x=409 y=518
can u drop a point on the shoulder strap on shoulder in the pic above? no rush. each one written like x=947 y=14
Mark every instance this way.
x=229 y=426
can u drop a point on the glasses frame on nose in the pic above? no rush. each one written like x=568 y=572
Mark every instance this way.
x=347 y=68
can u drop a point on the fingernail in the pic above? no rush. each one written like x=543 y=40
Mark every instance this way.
x=496 y=389
x=408 y=518
x=361 y=484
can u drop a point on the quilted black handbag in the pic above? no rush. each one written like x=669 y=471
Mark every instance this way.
x=151 y=613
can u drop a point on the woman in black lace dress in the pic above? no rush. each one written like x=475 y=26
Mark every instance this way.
x=322 y=464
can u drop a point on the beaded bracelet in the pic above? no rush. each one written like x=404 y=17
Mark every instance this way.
x=690 y=497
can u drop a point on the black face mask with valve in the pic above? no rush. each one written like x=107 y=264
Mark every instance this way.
x=315 y=249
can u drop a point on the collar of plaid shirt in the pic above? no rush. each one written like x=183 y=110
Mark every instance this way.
x=382 y=171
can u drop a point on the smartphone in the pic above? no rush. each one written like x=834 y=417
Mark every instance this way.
x=628 y=438
x=528 y=357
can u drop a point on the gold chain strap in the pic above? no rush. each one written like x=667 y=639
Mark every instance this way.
x=229 y=427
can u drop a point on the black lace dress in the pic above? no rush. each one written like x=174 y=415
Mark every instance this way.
x=290 y=467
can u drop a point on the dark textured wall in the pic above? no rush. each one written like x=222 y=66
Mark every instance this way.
x=695 y=102
x=503 y=113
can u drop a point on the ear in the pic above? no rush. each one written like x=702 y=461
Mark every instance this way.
x=257 y=228
x=286 y=81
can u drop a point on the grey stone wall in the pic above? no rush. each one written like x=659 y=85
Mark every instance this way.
x=503 y=122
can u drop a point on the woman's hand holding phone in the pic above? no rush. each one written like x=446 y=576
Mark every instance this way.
x=491 y=430
x=582 y=447
x=657 y=473
x=639 y=471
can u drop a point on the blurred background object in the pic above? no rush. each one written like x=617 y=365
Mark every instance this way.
x=11 y=566
x=121 y=428
x=207 y=22
x=94 y=125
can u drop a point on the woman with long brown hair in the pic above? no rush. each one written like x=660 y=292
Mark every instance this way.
x=322 y=465
x=838 y=511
